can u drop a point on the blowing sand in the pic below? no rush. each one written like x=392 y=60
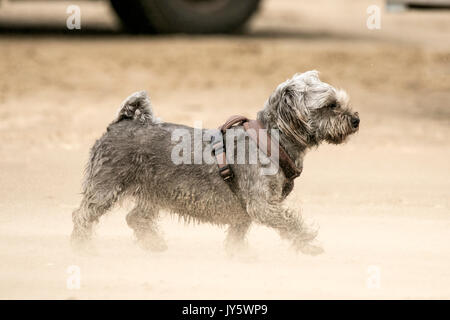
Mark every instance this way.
x=381 y=200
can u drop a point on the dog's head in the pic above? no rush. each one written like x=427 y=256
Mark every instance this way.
x=310 y=111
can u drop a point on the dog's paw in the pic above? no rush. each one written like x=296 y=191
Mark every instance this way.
x=311 y=249
x=153 y=244
x=242 y=255
x=240 y=251
x=83 y=247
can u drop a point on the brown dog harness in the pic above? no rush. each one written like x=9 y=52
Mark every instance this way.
x=262 y=140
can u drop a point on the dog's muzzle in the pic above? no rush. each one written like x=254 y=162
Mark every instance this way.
x=355 y=121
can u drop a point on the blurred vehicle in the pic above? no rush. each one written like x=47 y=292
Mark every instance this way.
x=417 y=4
x=188 y=16
x=180 y=16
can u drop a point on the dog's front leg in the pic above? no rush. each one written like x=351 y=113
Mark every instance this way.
x=235 y=243
x=289 y=225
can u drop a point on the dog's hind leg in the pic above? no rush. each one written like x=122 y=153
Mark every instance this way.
x=143 y=220
x=92 y=207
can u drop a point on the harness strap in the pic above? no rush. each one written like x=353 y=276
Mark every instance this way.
x=219 y=148
x=262 y=140
x=233 y=120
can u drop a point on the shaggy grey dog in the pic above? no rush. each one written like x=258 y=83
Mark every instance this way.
x=133 y=159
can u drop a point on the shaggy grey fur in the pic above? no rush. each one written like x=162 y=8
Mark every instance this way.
x=133 y=159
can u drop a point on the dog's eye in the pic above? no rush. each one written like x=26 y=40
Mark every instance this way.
x=332 y=105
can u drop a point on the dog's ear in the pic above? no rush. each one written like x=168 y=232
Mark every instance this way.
x=289 y=97
x=292 y=113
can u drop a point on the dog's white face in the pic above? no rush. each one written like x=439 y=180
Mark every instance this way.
x=311 y=111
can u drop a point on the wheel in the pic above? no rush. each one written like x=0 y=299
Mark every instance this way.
x=188 y=16
x=131 y=15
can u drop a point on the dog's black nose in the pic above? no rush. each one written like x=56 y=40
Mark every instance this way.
x=355 y=122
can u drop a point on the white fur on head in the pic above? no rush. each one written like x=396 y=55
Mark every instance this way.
x=342 y=97
x=290 y=105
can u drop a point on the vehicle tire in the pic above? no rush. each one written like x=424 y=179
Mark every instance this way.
x=131 y=16
x=186 y=16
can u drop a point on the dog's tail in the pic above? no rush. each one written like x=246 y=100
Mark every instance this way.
x=136 y=107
